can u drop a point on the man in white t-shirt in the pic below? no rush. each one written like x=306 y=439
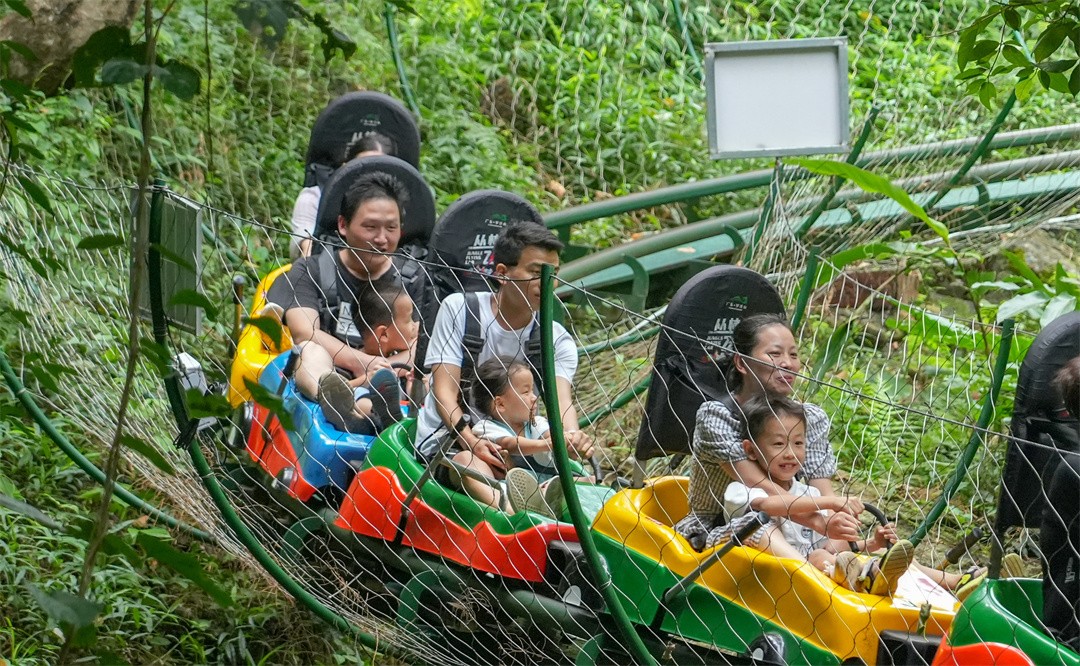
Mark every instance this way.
x=506 y=321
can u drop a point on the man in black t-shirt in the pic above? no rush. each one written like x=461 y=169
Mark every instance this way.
x=321 y=323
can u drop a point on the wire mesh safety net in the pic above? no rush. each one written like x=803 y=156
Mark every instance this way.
x=453 y=580
x=583 y=113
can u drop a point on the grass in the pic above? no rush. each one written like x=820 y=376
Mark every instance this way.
x=151 y=615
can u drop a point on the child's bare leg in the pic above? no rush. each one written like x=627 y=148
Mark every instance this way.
x=478 y=490
x=771 y=540
x=947 y=580
x=822 y=560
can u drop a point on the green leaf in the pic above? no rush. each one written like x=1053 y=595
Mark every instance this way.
x=980 y=288
x=1074 y=81
x=35 y=192
x=270 y=326
x=1051 y=39
x=983 y=48
x=73 y=614
x=182 y=563
x=208 y=405
x=1024 y=303
x=15 y=89
x=194 y=298
x=167 y=253
x=1012 y=18
x=834 y=348
x=1058 y=305
x=841 y=259
x=100 y=242
x=271 y=401
x=148 y=451
x=21 y=49
x=180 y=79
x=20 y=507
x=987 y=92
x=1015 y=56
x=873 y=183
x=1019 y=265
x=19 y=7
x=1060 y=83
x=119 y=71
x=968 y=36
x=1026 y=87
x=1054 y=66
x=109 y=42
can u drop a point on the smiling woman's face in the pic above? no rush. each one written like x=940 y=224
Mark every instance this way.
x=773 y=363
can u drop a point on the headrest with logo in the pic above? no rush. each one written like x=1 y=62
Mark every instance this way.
x=351 y=116
x=465 y=234
x=702 y=315
x=698 y=327
x=419 y=212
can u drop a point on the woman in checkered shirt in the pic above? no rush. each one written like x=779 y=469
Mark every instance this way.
x=765 y=360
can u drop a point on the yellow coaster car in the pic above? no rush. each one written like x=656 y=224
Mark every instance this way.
x=254 y=348
x=746 y=595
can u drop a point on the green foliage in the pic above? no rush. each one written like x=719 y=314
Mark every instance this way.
x=1032 y=43
x=153 y=607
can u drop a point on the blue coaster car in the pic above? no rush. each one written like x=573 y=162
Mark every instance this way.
x=311 y=459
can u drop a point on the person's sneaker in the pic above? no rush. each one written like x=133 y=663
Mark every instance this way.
x=1012 y=566
x=385 y=397
x=847 y=570
x=885 y=570
x=338 y=406
x=523 y=492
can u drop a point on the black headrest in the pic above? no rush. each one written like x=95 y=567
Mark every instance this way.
x=698 y=325
x=419 y=217
x=465 y=234
x=1056 y=344
x=1039 y=416
x=353 y=115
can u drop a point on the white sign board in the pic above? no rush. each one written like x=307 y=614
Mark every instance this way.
x=777 y=97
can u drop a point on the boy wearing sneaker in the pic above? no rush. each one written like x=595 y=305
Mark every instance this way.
x=367 y=404
x=775 y=440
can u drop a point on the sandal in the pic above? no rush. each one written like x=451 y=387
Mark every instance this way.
x=969 y=582
x=1012 y=566
x=884 y=571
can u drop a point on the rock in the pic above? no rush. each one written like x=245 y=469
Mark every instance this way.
x=1042 y=253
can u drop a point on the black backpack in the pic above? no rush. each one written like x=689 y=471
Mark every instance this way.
x=460 y=256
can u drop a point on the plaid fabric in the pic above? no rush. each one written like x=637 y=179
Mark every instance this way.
x=718 y=439
x=702 y=535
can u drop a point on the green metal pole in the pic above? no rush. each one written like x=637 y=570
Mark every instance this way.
x=976 y=154
x=977 y=435
x=766 y=212
x=806 y=289
x=568 y=217
x=684 y=30
x=83 y=463
x=624 y=398
x=837 y=181
x=395 y=50
x=621 y=341
x=634 y=644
